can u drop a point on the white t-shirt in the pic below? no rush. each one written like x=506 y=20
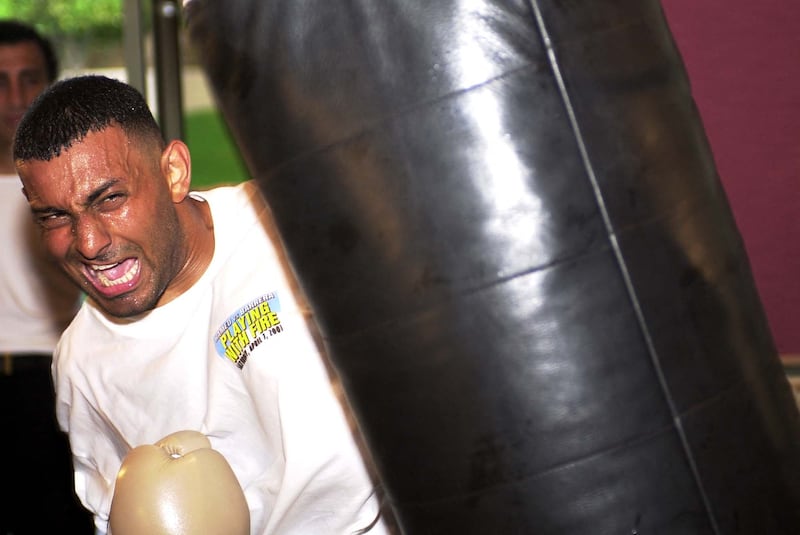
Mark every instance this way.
x=36 y=300
x=231 y=358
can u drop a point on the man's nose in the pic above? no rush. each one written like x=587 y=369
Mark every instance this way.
x=17 y=94
x=91 y=237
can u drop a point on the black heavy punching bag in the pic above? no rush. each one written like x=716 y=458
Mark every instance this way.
x=509 y=226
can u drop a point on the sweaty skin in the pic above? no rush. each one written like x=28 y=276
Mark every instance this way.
x=116 y=215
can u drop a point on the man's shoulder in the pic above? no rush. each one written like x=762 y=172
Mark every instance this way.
x=232 y=205
x=243 y=192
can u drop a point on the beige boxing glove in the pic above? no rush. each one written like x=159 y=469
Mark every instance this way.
x=178 y=486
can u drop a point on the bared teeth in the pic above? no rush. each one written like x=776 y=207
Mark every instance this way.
x=110 y=275
x=105 y=281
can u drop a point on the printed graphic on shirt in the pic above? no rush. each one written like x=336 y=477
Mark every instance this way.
x=248 y=327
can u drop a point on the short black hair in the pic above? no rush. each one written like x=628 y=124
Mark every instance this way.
x=71 y=108
x=13 y=32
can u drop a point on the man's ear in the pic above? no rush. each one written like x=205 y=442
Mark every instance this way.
x=176 y=167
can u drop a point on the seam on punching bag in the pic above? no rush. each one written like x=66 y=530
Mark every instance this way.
x=536 y=13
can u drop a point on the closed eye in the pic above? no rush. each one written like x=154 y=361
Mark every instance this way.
x=52 y=220
x=111 y=201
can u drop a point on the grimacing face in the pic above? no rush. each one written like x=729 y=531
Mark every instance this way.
x=108 y=216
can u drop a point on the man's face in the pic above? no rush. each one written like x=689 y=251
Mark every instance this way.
x=23 y=75
x=108 y=217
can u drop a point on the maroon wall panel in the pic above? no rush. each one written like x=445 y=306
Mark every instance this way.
x=743 y=60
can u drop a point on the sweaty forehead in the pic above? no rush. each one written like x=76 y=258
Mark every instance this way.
x=97 y=159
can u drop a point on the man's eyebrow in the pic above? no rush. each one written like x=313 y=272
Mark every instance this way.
x=90 y=199
x=100 y=191
x=47 y=210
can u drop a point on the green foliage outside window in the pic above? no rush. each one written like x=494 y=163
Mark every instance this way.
x=68 y=18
